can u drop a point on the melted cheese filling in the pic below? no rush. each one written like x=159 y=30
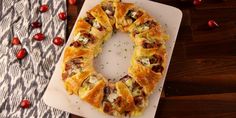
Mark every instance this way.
x=81 y=39
x=143 y=27
x=145 y=61
x=93 y=79
x=74 y=69
x=136 y=92
x=88 y=84
x=108 y=12
x=111 y=98
x=129 y=83
x=134 y=14
x=96 y=24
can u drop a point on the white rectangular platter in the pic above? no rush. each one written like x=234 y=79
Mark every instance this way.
x=114 y=61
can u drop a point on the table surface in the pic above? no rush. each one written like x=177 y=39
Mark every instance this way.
x=201 y=80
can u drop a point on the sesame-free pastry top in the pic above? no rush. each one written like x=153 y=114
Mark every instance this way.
x=129 y=95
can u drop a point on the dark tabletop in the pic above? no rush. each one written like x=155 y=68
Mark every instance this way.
x=201 y=80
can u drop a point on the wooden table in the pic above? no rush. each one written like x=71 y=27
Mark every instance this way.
x=201 y=80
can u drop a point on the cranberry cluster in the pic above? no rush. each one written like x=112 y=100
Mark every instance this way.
x=39 y=36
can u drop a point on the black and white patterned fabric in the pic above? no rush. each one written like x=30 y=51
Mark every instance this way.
x=29 y=77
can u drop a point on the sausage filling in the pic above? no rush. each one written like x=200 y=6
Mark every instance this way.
x=155 y=62
x=72 y=67
x=144 y=27
x=109 y=9
x=148 y=44
x=89 y=83
x=75 y=44
x=82 y=39
x=133 y=15
x=151 y=44
x=93 y=22
x=136 y=89
x=111 y=100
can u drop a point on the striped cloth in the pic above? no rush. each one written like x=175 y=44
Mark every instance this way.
x=29 y=77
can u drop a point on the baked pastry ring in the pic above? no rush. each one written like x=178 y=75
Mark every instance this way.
x=129 y=95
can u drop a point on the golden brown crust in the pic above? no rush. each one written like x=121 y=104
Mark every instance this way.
x=72 y=52
x=158 y=33
x=151 y=39
x=81 y=26
x=98 y=34
x=101 y=16
x=145 y=78
x=73 y=83
x=121 y=10
x=147 y=65
x=95 y=96
x=144 y=75
x=127 y=98
x=110 y=7
x=144 y=18
x=120 y=13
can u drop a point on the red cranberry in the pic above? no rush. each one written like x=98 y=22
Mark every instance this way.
x=25 y=104
x=21 y=53
x=15 y=41
x=39 y=37
x=58 y=41
x=197 y=2
x=72 y=2
x=36 y=24
x=212 y=24
x=43 y=8
x=62 y=15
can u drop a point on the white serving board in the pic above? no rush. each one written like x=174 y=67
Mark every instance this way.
x=114 y=61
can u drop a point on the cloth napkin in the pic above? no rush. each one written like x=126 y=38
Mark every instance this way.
x=29 y=77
